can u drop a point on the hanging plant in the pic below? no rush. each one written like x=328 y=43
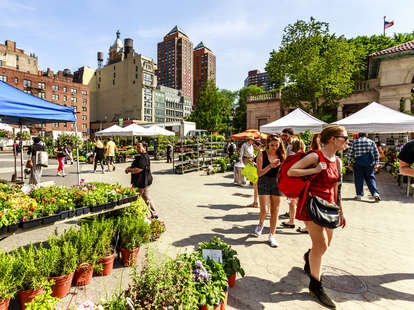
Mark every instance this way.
x=69 y=140
x=24 y=135
x=5 y=134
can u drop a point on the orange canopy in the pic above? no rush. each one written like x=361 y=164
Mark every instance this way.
x=254 y=133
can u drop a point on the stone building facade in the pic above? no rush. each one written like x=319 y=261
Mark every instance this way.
x=15 y=58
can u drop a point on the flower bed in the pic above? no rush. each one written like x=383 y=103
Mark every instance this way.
x=43 y=205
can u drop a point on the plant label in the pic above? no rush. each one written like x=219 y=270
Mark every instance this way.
x=214 y=255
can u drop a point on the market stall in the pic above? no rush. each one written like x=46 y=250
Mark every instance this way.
x=114 y=130
x=20 y=108
x=298 y=120
x=256 y=134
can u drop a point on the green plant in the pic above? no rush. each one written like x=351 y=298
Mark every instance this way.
x=30 y=267
x=24 y=135
x=105 y=229
x=137 y=209
x=132 y=232
x=8 y=282
x=62 y=257
x=44 y=301
x=231 y=262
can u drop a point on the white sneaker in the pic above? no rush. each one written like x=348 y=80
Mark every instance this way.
x=272 y=241
x=377 y=197
x=258 y=230
x=358 y=197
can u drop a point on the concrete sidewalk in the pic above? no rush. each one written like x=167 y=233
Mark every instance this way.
x=371 y=257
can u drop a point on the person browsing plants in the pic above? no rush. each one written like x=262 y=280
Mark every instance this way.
x=325 y=169
x=141 y=176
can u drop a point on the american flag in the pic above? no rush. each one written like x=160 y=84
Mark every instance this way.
x=388 y=24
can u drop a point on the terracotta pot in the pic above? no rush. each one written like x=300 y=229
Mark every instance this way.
x=62 y=285
x=4 y=304
x=206 y=308
x=83 y=275
x=232 y=280
x=107 y=264
x=129 y=257
x=27 y=296
x=224 y=303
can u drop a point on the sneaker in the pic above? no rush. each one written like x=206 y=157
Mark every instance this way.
x=258 y=230
x=113 y=169
x=377 y=197
x=272 y=241
x=284 y=216
x=358 y=197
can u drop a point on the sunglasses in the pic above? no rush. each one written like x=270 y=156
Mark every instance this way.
x=343 y=137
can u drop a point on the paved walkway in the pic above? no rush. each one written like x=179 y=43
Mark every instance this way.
x=376 y=247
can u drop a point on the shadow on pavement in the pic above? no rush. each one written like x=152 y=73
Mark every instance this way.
x=221 y=184
x=224 y=207
x=236 y=217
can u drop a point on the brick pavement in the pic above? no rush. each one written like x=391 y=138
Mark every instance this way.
x=376 y=246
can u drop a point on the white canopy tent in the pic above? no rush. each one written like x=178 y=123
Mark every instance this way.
x=111 y=131
x=377 y=118
x=135 y=130
x=298 y=120
x=159 y=131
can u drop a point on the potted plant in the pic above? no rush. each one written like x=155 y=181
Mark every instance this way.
x=84 y=240
x=131 y=232
x=29 y=269
x=231 y=262
x=105 y=228
x=8 y=283
x=44 y=301
x=62 y=258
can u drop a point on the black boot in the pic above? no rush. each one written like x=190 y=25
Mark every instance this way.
x=306 y=268
x=316 y=290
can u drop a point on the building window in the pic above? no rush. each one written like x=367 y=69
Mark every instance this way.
x=55 y=124
x=84 y=126
x=42 y=95
x=3 y=78
x=17 y=67
x=55 y=97
x=28 y=92
x=84 y=109
x=84 y=117
x=16 y=80
x=73 y=90
x=55 y=87
x=84 y=101
x=84 y=92
x=64 y=89
x=74 y=108
x=74 y=99
x=99 y=85
x=65 y=98
x=113 y=82
x=42 y=85
x=65 y=125
x=27 y=83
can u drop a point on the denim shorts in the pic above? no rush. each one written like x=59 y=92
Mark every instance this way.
x=268 y=186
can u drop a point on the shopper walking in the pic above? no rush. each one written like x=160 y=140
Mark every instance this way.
x=110 y=154
x=169 y=152
x=297 y=145
x=98 y=155
x=287 y=138
x=325 y=185
x=36 y=170
x=61 y=153
x=141 y=176
x=268 y=163
x=363 y=158
x=247 y=154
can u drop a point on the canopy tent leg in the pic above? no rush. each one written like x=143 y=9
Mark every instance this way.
x=21 y=155
x=77 y=155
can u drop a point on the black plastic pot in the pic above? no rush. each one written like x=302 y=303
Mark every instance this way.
x=78 y=211
x=121 y=201
x=71 y=213
x=50 y=219
x=64 y=214
x=3 y=230
x=110 y=205
x=97 y=208
x=32 y=223
x=86 y=210
x=134 y=198
x=12 y=228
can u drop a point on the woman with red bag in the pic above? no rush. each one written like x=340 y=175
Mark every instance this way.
x=324 y=165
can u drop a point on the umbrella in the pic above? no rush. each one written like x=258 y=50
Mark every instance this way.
x=254 y=133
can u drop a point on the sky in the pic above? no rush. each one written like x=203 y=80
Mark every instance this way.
x=68 y=34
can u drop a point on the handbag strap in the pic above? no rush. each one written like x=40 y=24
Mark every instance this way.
x=339 y=196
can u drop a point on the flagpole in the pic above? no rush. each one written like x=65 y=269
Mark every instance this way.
x=383 y=25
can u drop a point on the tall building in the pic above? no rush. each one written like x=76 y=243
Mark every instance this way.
x=255 y=77
x=170 y=105
x=15 y=58
x=123 y=89
x=175 y=62
x=204 y=68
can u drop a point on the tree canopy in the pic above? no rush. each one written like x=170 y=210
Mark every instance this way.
x=240 y=117
x=315 y=65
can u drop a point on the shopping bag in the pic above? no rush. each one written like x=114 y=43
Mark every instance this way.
x=250 y=172
x=42 y=158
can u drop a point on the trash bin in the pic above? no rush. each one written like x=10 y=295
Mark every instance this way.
x=238 y=177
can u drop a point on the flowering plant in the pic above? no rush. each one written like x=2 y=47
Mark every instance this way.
x=157 y=227
x=5 y=134
x=69 y=140
x=24 y=135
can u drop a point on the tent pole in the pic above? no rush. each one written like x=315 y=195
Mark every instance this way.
x=77 y=153
x=21 y=154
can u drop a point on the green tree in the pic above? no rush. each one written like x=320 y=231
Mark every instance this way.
x=240 y=117
x=317 y=67
x=213 y=108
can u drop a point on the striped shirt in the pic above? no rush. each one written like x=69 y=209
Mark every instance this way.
x=362 y=146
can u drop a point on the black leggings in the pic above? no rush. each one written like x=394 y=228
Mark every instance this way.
x=96 y=164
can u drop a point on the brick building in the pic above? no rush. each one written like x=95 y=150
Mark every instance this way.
x=175 y=62
x=204 y=68
x=58 y=88
x=255 y=77
x=15 y=58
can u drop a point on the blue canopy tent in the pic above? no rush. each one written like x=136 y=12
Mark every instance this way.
x=19 y=108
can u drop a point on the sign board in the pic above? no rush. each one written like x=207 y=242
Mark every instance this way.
x=214 y=255
x=121 y=122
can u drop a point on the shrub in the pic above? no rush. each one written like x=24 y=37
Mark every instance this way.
x=132 y=232
x=8 y=282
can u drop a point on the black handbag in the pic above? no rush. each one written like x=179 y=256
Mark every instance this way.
x=324 y=213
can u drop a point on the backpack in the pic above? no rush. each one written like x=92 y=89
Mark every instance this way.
x=231 y=149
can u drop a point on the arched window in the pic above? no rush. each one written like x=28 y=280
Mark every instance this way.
x=412 y=80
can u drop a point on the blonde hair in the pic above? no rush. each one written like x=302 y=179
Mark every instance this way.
x=99 y=144
x=331 y=131
x=298 y=145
